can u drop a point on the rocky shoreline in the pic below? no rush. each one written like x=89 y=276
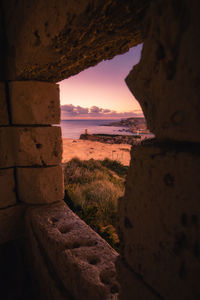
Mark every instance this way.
x=133 y=125
x=112 y=139
x=137 y=126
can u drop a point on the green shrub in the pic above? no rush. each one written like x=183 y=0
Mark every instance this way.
x=92 y=189
x=115 y=166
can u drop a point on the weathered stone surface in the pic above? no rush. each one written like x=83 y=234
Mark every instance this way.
x=6 y=147
x=80 y=259
x=166 y=81
x=34 y=102
x=51 y=41
x=132 y=285
x=30 y=146
x=4 y=120
x=46 y=282
x=37 y=146
x=7 y=188
x=40 y=185
x=11 y=223
x=159 y=218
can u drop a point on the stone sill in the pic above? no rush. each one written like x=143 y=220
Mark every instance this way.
x=70 y=259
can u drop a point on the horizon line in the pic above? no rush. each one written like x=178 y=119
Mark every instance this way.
x=99 y=118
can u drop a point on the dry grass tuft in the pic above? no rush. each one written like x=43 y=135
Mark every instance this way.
x=92 y=189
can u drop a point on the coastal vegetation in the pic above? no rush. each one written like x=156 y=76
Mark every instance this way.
x=92 y=189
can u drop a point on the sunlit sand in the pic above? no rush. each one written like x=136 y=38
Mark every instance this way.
x=87 y=149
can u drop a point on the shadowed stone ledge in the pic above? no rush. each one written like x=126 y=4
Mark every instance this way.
x=66 y=251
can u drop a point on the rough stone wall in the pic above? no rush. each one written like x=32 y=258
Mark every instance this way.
x=30 y=151
x=166 y=81
x=159 y=215
x=52 y=40
x=30 y=173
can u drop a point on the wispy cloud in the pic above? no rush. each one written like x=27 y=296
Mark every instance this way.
x=70 y=111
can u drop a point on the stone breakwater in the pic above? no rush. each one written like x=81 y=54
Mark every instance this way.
x=112 y=139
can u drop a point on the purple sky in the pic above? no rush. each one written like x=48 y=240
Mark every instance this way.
x=100 y=91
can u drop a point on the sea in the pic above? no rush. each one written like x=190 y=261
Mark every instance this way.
x=74 y=128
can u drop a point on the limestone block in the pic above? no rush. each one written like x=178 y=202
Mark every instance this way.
x=159 y=218
x=40 y=185
x=12 y=223
x=81 y=261
x=30 y=146
x=4 y=120
x=37 y=146
x=7 y=188
x=166 y=80
x=6 y=147
x=34 y=102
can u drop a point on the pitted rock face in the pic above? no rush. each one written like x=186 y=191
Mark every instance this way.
x=166 y=81
x=158 y=221
x=52 y=40
x=82 y=261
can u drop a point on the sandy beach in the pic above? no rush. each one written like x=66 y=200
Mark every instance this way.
x=96 y=150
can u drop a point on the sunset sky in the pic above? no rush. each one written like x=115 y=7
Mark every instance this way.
x=100 y=91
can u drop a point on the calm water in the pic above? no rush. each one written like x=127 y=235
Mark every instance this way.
x=74 y=128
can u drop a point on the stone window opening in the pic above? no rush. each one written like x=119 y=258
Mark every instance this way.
x=69 y=244
x=75 y=89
